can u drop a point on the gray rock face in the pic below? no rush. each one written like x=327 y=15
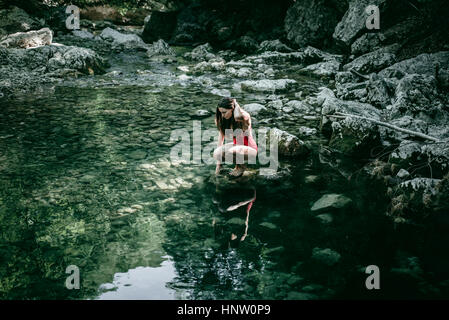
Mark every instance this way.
x=16 y=20
x=50 y=58
x=378 y=92
x=266 y=85
x=160 y=47
x=349 y=135
x=331 y=201
x=80 y=59
x=310 y=22
x=366 y=43
x=83 y=34
x=274 y=45
x=352 y=25
x=320 y=63
x=25 y=70
x=201 y=53
x=328 y=68
x=373 y=61
x=301 y=107
x=123 y=41
x=211 y=65
x=398 y=33
x=416 y=93
x=288 y=144
x=313 y=55
x=422 y=64
x=254 y=108
x=28 y=39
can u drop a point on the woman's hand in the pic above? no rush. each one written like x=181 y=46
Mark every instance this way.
x=238 y=115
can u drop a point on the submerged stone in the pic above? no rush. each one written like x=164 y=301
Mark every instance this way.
x=325 y=218
x=326 y=256
x=332 y=200
x=268 y=225
x=201 y=114
x=137 y=154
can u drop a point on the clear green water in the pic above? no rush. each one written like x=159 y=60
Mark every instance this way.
x=85 y=180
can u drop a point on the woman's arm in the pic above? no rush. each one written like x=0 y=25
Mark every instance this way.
x=220 y=139
x=242 y=116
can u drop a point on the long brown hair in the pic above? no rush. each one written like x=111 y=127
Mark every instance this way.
x=222 y=123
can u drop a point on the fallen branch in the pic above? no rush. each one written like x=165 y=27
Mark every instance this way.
x=359 y=74
x=341 y=115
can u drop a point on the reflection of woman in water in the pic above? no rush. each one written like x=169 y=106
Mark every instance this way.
x=229 y=115
x=228 y=203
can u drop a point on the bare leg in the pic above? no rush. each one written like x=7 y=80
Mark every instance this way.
x=237 y=154
x=241 y=154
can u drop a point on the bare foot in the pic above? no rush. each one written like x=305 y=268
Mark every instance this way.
x=237 y=171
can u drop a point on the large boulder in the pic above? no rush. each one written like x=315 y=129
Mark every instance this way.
x=288 y=144
x=323 y=69
x=398 y=33
x=353 y=23
x=379 y=91
x=159 y=25
x=80 y=59
x=122 y=41
x=28 y=70
x=374 y=61
x=254 y=108
x=50 y=58
x=417 y=93
x=426 y=63
x=274 y=45
x=350 y=135
x=320 y=63
x=28 y=39
x=201 y=53
x=160 y=47
x=17 y=20
x=311 y=22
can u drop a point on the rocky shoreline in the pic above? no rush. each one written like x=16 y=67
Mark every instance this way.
x=398 y=76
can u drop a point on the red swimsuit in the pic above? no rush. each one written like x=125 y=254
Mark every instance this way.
x=247 y=141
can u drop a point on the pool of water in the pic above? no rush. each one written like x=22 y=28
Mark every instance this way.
x=86 y=179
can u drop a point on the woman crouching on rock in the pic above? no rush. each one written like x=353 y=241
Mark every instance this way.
x=231 y=119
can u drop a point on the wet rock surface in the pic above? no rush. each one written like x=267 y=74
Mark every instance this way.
x=28 y=39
